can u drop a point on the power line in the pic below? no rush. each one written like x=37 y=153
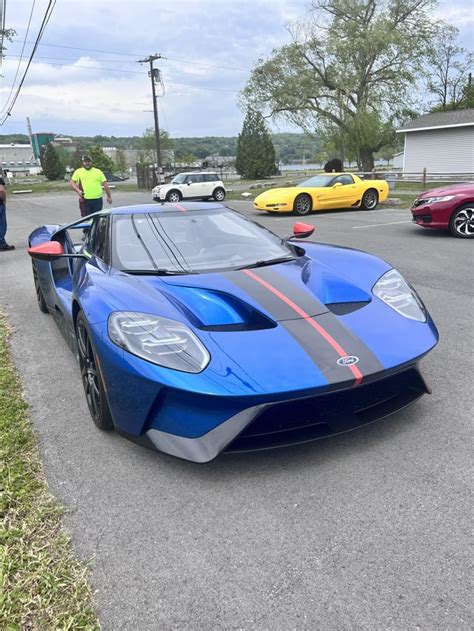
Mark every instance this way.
x=21 y=59
x=46 y=18
x=115 y=52
x=170 y=83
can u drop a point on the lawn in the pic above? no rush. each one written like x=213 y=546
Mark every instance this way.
x=42 y=584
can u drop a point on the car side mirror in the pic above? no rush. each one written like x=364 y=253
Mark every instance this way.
x=302 y=230
x=337 y=185
x=50 y=251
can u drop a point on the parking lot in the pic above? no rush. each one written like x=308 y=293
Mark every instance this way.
x=365 y=530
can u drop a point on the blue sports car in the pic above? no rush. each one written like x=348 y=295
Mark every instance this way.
x=199 y=331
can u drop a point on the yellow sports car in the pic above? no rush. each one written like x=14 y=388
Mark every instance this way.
x=329 y=190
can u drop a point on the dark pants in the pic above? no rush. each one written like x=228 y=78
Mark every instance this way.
x=3 y=224
x=92 y=206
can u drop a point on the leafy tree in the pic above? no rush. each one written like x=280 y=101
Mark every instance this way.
x=449 y=66
x=187 y=158
x=6 y=34
x=255 y=151
x=101 y=160
x=351 y=65
x=51 y=162
x=148 y=145
x=121 y=165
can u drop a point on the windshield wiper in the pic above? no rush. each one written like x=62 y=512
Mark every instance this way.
x=156 y=272
x=282 y=259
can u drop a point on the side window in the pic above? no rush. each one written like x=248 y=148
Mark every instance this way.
x=97 y=238
x=195 y=179
x=209 y=177
x=344 y=179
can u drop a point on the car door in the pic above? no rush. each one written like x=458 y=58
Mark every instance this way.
x=194 y=187
x=341 y=193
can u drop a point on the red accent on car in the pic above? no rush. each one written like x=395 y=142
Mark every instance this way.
x=322 y=331
x=302 y=228
x=46 y=250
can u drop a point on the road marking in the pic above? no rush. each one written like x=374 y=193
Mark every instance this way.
x=376 y=225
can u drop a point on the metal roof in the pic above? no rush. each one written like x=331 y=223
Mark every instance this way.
x=440 y=120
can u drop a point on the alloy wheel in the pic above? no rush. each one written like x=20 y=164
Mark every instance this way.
x=463 y=222
x=89 y=373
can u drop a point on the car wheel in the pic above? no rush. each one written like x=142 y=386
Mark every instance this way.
x=174 y=196
x=370 y=199
x=91 y=377
x=219 y=194
x=461 y=223
x=303 y=205
x=39 y=293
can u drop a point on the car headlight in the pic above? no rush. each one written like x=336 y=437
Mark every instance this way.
x=393 y=289
x=435 y=200
x=158 y=340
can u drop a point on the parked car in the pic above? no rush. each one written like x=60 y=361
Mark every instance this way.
x=321 y=192
x=199 y=331
x=447 y=208
x=191 y=186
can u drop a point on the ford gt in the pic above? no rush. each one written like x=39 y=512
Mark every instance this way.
x=323 y=192
x=198 y=331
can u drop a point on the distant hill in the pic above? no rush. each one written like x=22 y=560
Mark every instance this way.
x=288 y=147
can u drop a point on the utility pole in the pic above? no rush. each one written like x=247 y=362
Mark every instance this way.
x=154 y=73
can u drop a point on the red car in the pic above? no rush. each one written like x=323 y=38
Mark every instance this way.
x=450 y=208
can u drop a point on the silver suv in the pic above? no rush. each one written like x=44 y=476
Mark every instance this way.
x=190 y=186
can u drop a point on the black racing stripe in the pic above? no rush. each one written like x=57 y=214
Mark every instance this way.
x=305 y=299
x=325 y=356
x=277 y=308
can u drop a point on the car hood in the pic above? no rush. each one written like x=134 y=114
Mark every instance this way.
x=455 y=189
x=250 y=298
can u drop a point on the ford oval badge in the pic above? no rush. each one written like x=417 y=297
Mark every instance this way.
x=348 y=360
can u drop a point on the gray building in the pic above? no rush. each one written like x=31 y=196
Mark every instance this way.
x=442 y=142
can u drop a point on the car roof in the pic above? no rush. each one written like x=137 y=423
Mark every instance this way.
x=167 y=208
x=197 y=173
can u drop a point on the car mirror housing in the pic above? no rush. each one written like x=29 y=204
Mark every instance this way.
x=337 y=185
x=50 y=251
x=302 y=230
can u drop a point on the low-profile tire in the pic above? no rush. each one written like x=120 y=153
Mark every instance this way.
x=303 y=205
x=461 y=223
x=91 y=377
x=370 y=199
x=174 y=197
x=219 y=194
x=39 y=293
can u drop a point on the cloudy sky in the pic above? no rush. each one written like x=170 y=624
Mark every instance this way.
x=86 y=79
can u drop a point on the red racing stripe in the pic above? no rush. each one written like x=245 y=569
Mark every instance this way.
x=181 y=208
x=324 y=334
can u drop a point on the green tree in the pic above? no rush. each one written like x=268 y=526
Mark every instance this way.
x=255 y=151
x=148 y=144
x=101 y=160
x=187 y=159
x=121 y=165
x=448 y=71
x=351 y=65
x=51 y=163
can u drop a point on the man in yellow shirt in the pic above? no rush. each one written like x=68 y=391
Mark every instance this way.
x=87 y=182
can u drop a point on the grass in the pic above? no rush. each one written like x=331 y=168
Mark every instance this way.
x=42 y=584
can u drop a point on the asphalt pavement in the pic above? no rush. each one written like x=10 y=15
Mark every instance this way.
x=367 y=530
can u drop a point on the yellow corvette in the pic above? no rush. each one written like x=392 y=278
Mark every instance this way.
x=321 y=192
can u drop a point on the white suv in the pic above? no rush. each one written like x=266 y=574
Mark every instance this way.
x=190 y=186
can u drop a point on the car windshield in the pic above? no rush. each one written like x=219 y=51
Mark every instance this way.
x=191 y=242
x=317 y=180
x=179 y=179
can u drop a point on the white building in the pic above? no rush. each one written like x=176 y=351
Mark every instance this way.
x=442 y=142
x=17 y=158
